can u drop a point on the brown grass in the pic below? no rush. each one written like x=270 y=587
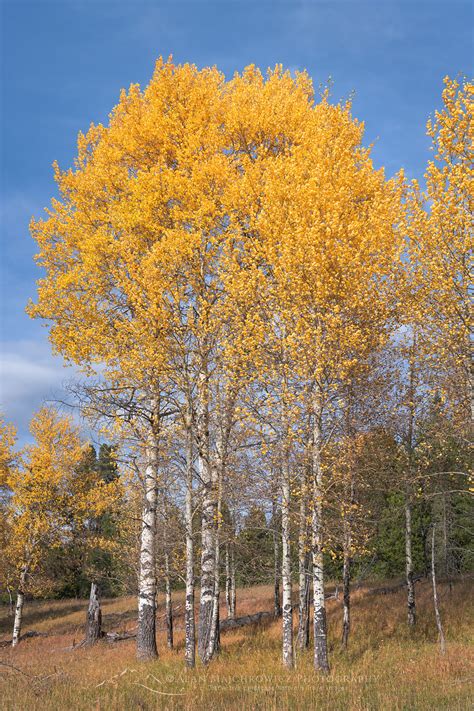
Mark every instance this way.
x=386 y=667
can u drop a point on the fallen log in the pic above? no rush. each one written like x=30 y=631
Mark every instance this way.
x=26 y=635
x=234 y=623
x=388 y=590
x=119 y=637
x=227 y=624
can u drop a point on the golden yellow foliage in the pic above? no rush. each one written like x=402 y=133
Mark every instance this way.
x=441 y=238
x=48 y=493
x=7 y=442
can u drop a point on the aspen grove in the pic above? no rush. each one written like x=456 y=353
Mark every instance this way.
x=276 y=341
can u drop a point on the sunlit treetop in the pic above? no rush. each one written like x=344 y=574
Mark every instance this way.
x=176 y=214
x=441 y=238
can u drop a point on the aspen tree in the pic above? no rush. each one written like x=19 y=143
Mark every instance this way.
x=214 y=230
x=126 y=242
x=441 y=242
x=8 y=459
x=327 y=255
x=304 y=547
x=46 y=496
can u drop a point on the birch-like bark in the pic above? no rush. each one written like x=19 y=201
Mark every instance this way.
x=229 y=580
x=206 y=638
x=216 y=635
x=411 y=604
x=168 y=602
x=207 y=574
x=346 y=586
x=287 y=619
x=409 y=565
x=276 y=562
x=146 y=632
x=347 y=510
x=347 y=564
x=442 y=641
x=189 y=621
x=20 y=601
x=233 y=590
x=214 y=641
x=304 y=603
x=321 y=662
x=93 y=617
x=303 y=571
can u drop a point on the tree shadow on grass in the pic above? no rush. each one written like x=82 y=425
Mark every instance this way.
x=37 y=612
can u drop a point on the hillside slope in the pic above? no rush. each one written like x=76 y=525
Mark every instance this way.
x=386 y=666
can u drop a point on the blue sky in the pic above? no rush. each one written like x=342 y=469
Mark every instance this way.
x=65 y=61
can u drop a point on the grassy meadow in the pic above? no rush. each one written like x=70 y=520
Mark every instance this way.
x=386 y=667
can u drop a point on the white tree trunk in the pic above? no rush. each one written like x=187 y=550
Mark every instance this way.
x=409 y=565
x=206 y=605
x=168 y=603
x=20 y=601
x=233 y=591
x=347 y=561
x=303 y=572
x=346 y=585
x=189 y=621
x=206 y=638
x=229 y=580
x=146 y=633
x=214 y=639
x=442 y=641
x=321 y=662
x=411 y=605
x=230 y=593
x=276 y=562
x=304 y=603
x=287 y=618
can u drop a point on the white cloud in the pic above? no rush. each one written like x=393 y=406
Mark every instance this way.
x=30 y=376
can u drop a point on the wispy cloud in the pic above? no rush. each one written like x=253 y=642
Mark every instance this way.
x=30 y=377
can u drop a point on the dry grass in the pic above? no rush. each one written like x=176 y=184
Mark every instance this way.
x=386 y=668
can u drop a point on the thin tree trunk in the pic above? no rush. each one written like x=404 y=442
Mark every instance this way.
x=93 y=617
x=146 y=632
x=214 y=641
x=208 y=543
x=287 y=619
x=347 y=558
x=411 y=604
x=189 y=621
x=168 y=603
x=276 y=563
x=207 y=574
x=346 y=588
x=442 y=641
x=304 y=604
x=229 y=580
x=233 y=591
x=216 y=634
x=20 y=601
x=409 y=565
x=321 y=662
x=303 y=572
